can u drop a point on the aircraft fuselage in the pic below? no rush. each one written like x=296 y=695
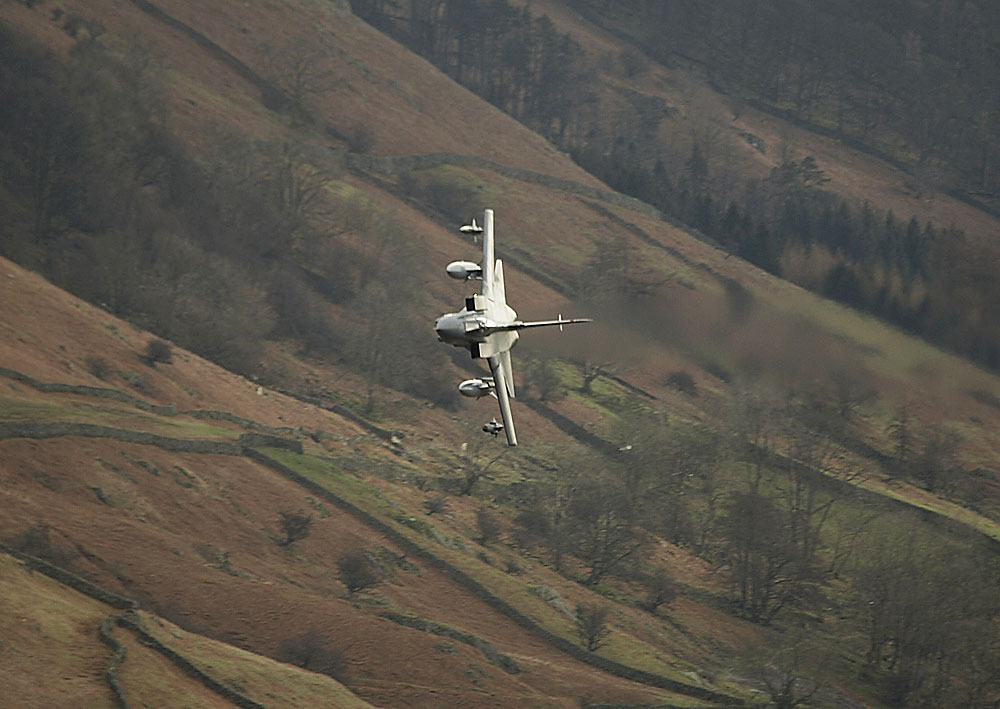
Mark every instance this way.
x=467 y=328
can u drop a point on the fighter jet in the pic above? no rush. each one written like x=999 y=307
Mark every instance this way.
x=488 y=328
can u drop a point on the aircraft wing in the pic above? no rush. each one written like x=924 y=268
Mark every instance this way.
x=504 y=379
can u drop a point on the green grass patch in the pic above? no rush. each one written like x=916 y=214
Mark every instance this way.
x=255 y=676
x=343 y=190
x=606 y=396
x=22 y=409
x=186 y=428
x=38 y=409
x=885 y=348
x=622 y=646
x=517 y=591
x=926 y=501
x=450 y=189
x=337 y=482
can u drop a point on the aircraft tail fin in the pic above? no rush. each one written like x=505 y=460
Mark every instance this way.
x=488 y=253
x=499 y=289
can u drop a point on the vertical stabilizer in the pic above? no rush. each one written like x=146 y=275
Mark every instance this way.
x=488 y=257
x=499 y=291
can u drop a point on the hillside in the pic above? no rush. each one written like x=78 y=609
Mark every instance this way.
x=193 y=536
x=49 y=626
x=746 y=477
x=853 y=172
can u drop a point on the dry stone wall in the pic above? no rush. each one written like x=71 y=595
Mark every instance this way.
x=128 y=619
x=479 y=590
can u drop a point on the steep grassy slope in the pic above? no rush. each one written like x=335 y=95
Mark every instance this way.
x=697 y=111
x=54 y=656
x=194 y=536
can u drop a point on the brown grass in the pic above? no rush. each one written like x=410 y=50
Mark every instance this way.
x=160 y=541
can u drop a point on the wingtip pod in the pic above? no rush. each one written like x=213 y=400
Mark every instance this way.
x=471 y=228
x=464 y=270
x=476 y=388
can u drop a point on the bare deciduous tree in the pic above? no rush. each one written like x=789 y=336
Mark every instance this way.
x=297 y=71
x=761 y=559
x=662 y=590
x=780 y=669
x=603 y=525
x=592 y=625
x=488 y=524
x=477 y=459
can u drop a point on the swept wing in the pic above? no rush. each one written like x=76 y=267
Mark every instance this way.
x=503 y=377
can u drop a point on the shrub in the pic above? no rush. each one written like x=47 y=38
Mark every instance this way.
x=159 y=351
x=449 y=198
x=357 y=572
x=301 y=313
x=535 y=525
x=738 y=298
x=360 y=139
x=37 y=542
x=98 y=366
x=544 y=376
x=295 y=526
x=682 y=382
x=488 y=524
x=137 y=382
x=436 y=504
x=513 y=568
x=309 y=651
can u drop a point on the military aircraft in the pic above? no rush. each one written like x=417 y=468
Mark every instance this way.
x=488 y=328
